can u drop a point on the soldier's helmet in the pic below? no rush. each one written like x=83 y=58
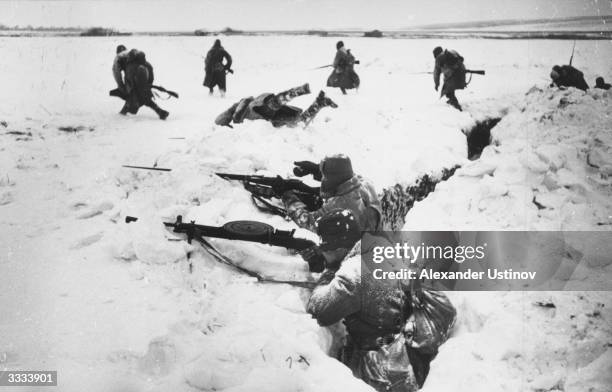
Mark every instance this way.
x=335 y=169
x=121 y=48
x=339 y=45
x=338 y=229
x=556 y=72
x=599 y=81
x=437 y=50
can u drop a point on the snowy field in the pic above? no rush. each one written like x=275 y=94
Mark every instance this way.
x=116 y=307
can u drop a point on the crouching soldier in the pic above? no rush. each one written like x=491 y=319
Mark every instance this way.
x=374 y=311
x=273 y=107
x=340 y=188
x=343 y=75
x=568 y=76
x=449 y=63
x=135 y=87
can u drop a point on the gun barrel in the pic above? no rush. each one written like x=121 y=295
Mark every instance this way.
x=477 y=72
x=147 y=168
x=237 y=177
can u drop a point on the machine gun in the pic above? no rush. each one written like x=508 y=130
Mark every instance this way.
x=250 y=231
x=262 y=187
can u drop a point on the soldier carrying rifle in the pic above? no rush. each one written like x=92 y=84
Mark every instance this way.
x=215 y=69
x=449 y=63
x=340 y=188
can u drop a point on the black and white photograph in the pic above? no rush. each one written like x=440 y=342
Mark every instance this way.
x=306 y=196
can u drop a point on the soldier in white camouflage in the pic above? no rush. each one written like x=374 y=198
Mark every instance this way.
x=340 y=188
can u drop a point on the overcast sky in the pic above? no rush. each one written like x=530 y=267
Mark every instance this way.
x=163 y=15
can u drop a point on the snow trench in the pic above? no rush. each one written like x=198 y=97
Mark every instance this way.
x=399 y=199
x=479 y=136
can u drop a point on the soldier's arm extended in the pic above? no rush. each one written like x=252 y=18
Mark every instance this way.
x=336 y=295
x=228 y=60
x=299 y=213
x=117 y=72
x=436 y=72
x=150 y=69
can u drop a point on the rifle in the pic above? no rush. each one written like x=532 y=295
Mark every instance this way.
x=250 y=231
x=470 y=71
x=160 y=88
x=117 y=92
x=572 y=56
x=147 y=168
x=477 y=72
x=263 y=187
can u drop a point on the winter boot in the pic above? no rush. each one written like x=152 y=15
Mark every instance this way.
x=452 y=100
x=124 y=110
x=160 y=112
x=225 y=118
x=163 y=114
x=322 y=101
x=288 y=95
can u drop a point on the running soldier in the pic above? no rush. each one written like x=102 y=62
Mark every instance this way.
x=343 y=75
x=449 y=63
x=135 y=86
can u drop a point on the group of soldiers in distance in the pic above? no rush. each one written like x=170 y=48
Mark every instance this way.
x=381 y=346
x=134 y=78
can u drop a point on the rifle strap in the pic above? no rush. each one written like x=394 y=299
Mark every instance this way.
x=157 y=95
x=469 y=80
x=265 y=206
x=217 y=255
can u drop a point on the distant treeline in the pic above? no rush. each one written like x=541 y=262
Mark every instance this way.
x=101 y=32
x=40 y=28
x=85 y=32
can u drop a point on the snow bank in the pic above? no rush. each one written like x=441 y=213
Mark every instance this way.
x=545 y=170
x=128 y=308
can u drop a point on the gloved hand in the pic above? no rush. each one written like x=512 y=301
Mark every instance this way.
x=314 y=258
x=304 y=168
x=278 y=186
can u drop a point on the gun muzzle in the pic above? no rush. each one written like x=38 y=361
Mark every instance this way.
x=129 y=219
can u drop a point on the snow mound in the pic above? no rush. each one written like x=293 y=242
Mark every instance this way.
x=547 y=169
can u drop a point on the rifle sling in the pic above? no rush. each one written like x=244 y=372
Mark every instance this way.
x=265 y=206
x=215 y=253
